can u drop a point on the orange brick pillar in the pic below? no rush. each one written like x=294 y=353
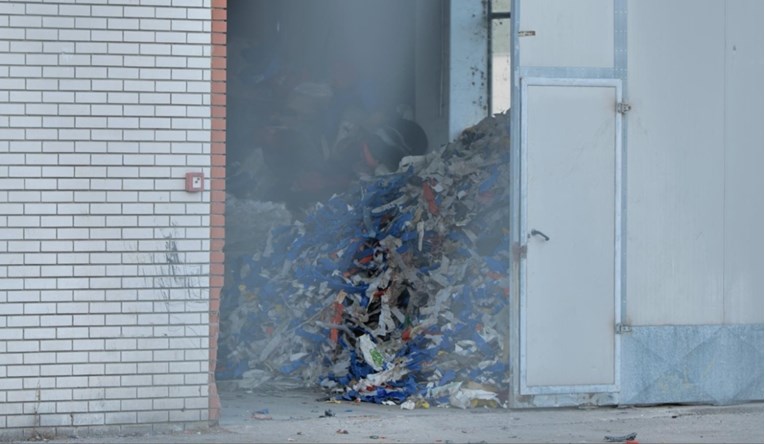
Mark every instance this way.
x=217 y=187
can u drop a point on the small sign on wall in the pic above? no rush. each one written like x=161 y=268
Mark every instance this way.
x=195 y=182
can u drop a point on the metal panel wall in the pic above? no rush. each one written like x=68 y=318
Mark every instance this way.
x=694 y=150
x=468 y=55
x=743 y=162
x=566 y=33
x=676 y=154
x=572 y=40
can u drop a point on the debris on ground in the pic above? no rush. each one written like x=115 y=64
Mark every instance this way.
x=396 y=290
x=621 y=438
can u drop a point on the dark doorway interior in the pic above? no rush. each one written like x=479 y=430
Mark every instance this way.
x=325 y=99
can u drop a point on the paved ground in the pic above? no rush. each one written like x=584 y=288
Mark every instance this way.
x=296 y=417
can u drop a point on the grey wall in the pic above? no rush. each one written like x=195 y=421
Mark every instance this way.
x=692 y=71
x=695 y=155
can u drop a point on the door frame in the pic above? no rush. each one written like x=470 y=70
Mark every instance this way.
x=618 y=270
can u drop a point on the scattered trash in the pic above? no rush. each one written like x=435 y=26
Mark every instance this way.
x=395 y=292
x=342 y=432
x=262 y=412
x=327 y=414
x=465 y=398
x=261 y=416
x=407 y=405
x=621 y=438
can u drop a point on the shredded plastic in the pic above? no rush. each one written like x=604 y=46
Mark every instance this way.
x=397 y=290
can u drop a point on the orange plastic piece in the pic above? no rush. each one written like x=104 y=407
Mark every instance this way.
x=430 y=198
x=336 y=319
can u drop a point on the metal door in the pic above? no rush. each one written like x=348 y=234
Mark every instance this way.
x=570 y=276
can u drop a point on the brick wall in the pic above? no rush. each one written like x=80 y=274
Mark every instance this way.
x=105 y=260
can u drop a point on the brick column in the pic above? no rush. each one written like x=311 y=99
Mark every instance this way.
x=217 y=187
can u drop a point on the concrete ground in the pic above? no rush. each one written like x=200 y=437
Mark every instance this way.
x=297 y=416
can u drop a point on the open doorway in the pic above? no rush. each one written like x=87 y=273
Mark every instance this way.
x=365 y=256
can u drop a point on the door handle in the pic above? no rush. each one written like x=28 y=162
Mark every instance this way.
x=535 y=232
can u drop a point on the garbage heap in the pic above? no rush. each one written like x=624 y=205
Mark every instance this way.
x=396 y=291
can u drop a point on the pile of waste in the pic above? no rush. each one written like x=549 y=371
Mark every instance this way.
x=396 y=291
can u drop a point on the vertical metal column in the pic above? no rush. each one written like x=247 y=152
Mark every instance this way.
x=515 y=198
x=468 y=100
x=620 y=72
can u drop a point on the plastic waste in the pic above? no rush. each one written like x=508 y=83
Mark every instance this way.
x=372 y=356
x=395 y=291
x=621 y=438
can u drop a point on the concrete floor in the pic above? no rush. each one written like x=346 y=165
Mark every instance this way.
x=296 y=416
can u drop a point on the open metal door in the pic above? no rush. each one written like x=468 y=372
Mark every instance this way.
x=570 y=266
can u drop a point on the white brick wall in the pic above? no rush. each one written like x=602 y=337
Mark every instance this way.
x=104 y=258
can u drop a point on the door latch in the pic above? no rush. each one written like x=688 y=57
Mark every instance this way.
x=623 y=328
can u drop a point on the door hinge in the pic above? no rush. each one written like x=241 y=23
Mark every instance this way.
x=519 y=252
x=623 y=328
x=623 y=108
